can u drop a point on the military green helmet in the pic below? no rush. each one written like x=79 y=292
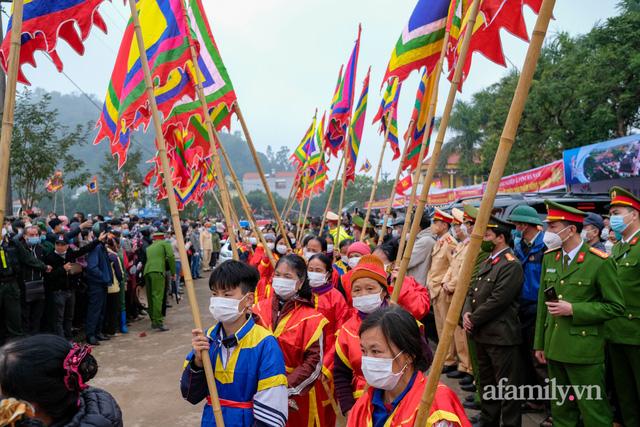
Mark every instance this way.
x=525 y=214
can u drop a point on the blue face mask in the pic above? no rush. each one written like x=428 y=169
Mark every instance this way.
x=516 y=234
x=32 y=241
x=126 y=233
x=617 y=223
x=43 y=238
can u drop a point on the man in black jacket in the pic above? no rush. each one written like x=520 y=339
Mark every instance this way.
x=32 y=268
x=491 y=318
x=61 y=283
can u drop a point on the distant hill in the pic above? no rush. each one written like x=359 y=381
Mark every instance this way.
x=74 y=109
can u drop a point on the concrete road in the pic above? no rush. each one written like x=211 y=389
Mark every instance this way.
x=142 y=369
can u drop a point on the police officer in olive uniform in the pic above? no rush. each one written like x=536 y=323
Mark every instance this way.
x=623 y=333
x=579 y=291
x=491 y=318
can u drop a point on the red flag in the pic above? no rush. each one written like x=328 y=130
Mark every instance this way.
x=404 y=185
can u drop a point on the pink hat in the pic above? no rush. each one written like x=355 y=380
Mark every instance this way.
x=359 y=248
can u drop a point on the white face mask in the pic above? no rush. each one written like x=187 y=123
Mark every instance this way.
x=281 y=249
x=585 y=236
x=353 y=261
x=330 y=249
x=367 y=303
x=271 y=245
x=604 y=235
x=225 y=309
x=307 y=254
x=253 y=240
x=317 y=279
x=284 y=288
x=464 y=230
x=379 y=372
x=553 y=240
x=395 y=234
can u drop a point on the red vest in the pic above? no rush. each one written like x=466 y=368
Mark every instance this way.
x=296 y=332
x=446 y=406
x=348 y=350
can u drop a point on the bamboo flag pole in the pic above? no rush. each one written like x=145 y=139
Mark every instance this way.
x=497 y=170
x=306 y=215
x=55 y=201
x=285 y=207
x=301 y=218
x=442 y=130
x=98 y=195
x=265 y=184
x=417 y=176
x=245 y=203
x=374 y=187
x=333 y=187
x=173 y=207
x=10 y=102
x=347 y=142
x=294 y=189
x=393 y=189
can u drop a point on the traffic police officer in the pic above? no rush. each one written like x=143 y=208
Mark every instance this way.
x=623 y=333
x=579 y=291
x=491 y=317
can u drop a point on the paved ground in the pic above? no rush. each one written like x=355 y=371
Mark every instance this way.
x=142 y=370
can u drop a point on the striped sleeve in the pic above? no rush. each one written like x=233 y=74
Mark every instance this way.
x=270 y=403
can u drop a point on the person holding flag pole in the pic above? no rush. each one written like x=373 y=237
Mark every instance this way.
x=162 y=150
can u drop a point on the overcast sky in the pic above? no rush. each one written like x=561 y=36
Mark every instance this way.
x=283 y=57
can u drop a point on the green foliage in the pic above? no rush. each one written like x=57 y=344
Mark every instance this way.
x=41 y=144
x=127 y=181
x=585 y=89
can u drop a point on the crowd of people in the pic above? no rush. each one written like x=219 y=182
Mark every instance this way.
x=315 y=336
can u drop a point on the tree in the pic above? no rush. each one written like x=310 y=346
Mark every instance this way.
x=127 y=181
x=41 y=145
x=283 y=161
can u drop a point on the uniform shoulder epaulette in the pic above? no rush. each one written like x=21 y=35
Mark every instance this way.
x=601 y=254
x=509 y=257
x=551 y=250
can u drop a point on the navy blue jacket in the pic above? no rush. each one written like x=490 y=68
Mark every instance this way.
x=98 y=269
x=531 y=261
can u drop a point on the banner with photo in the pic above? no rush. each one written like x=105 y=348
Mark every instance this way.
x=609 y=160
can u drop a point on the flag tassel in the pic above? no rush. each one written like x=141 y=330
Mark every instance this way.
x=374 y=188
x=502 y=156
x=10 y=102
x=173 y=206
x=393 y=190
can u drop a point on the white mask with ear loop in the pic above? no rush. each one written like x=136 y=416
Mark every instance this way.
x=379 y=372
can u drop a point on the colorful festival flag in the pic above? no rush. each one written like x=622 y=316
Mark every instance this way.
x=92 y=186
x=404 y=185
x=389 y=107
x=366 y=166
x=421 y=40
x=493 y=16
x=342 y=104
x=165 y=31
x=45 y=22
x=55 y=183
x=355 y=131
x=306 y=146
x=417 y=126
x=319 y=173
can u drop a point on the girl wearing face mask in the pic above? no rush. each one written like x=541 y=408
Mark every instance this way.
x=249 y=365
x=394 y=366
x=265 y=269
x=291 y=316
x=313 y=245
x=341 y=266
x=356 y=251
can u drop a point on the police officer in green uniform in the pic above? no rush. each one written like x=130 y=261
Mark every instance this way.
x=623 y=333
x=579 y=292
x=160 y=258
x=490 y=316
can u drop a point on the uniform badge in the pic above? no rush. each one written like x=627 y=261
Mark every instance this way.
x=551 y=270
x=580 y=257
x=634 y=241
x=558 y=256
x=495 y=260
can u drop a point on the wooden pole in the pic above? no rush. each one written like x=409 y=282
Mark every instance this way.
x=173 y=207
x=64 y=206
x=245 y=204
x=374 y=187
x=306 y=215
x=342 y=188
x=55 y=201
x=328 y=207
x=417 y=175
x=9 y=103
x=265 y=184
x=98 y=195
x=301 y=217
x=442 y=130
x=285 y=207
x=393 y=190
x=497 y=170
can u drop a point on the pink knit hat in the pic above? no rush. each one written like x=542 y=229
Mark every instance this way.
x=359 y=248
